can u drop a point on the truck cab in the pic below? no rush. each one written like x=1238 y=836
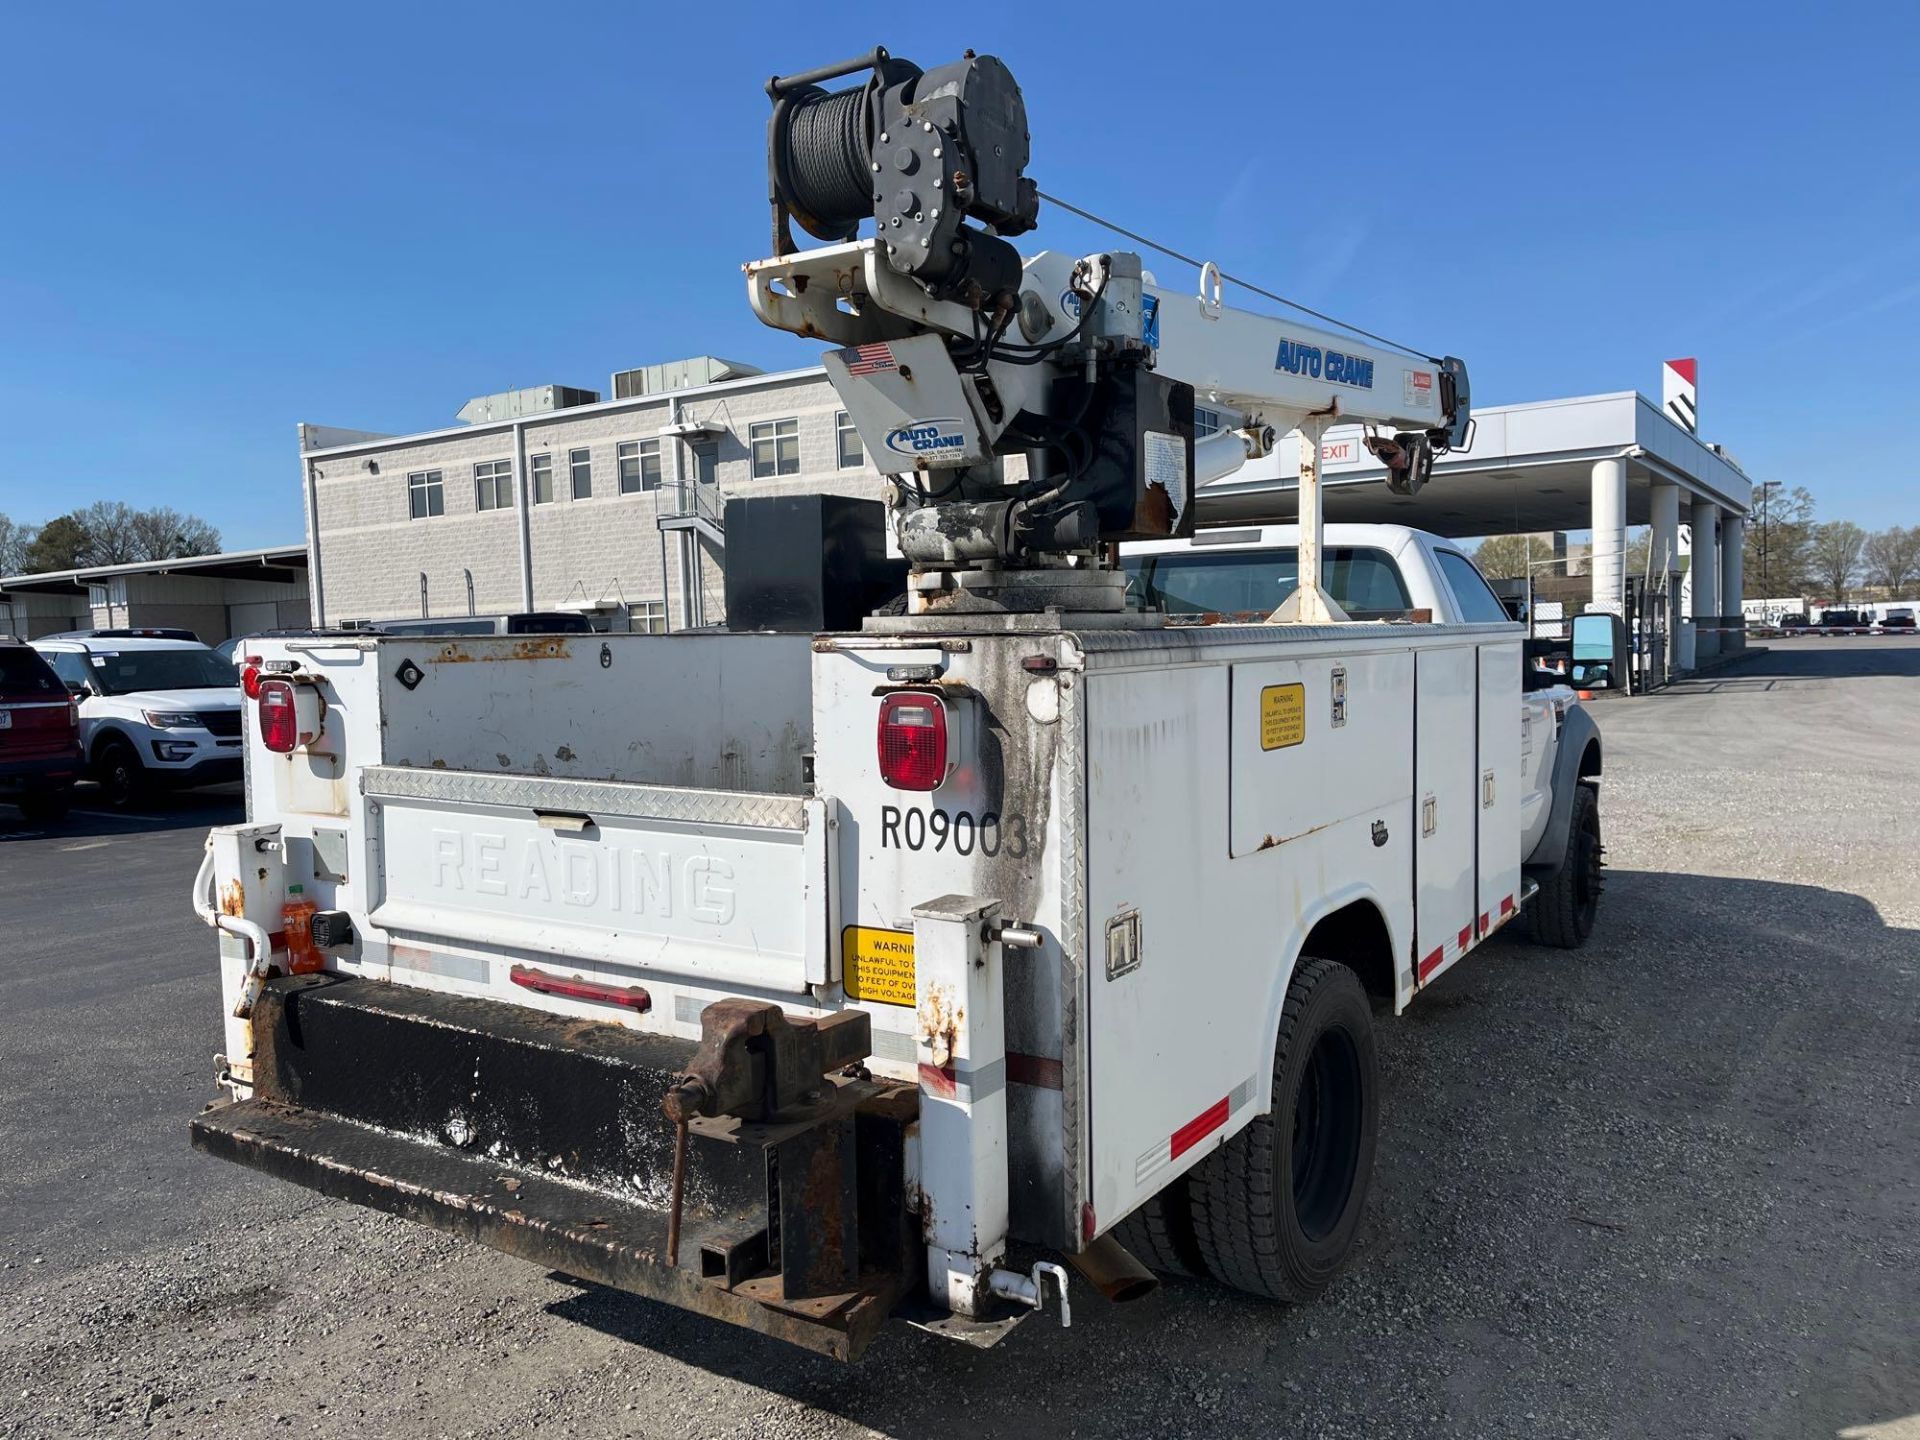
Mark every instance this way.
x=1374 y=572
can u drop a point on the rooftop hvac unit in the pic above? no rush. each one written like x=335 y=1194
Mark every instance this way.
x=679 y=375
x=534 y=400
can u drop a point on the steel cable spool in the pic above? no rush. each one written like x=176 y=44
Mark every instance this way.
x=823 y=153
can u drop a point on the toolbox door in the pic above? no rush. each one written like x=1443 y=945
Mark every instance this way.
x=1500 y=785
x=1445 y=805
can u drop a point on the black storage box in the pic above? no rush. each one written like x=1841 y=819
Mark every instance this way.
x=808 y=562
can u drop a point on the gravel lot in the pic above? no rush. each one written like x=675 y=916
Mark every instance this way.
x=1667 y=1186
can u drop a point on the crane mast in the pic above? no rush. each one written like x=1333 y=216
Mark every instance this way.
x=1032 y=411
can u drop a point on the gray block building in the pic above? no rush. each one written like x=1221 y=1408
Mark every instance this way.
x=552 y=499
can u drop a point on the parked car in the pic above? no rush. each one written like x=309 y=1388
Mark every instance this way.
x=39 y=735
x=153 y=713
x=1898 y=618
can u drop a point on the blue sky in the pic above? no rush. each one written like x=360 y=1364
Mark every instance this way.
x=223 y=219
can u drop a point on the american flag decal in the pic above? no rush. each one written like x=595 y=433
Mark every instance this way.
x=867 y=359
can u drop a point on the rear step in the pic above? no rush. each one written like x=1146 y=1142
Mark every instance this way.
x=543 y=1136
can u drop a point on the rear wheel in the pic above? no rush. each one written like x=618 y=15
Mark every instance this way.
x=1562 y=914
x=122 y=778
x=1160 y=1233
x=1275 y=1210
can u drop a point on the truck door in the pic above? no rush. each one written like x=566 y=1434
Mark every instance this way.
x=1447 y=693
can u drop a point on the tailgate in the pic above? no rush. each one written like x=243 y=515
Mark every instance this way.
x=727 y=887
x=32 y=729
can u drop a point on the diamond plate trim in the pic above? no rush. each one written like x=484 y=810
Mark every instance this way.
x=746 y=808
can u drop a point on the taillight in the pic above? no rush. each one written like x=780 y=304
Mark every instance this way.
x=913 y=740
x=279 y=715
x=250 y=679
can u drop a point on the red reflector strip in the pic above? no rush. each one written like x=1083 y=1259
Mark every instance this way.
x=1466 y=934
x=938 y=1081
x=1036 y=1070
x=1431 y=963
x=576 y=988
x=1198 y=1128
x=1506 y=906
x=1485 y=922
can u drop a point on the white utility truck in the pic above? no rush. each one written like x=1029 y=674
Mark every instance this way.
x=794 y=978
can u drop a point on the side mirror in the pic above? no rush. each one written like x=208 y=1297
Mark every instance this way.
x=1598 y=650
x=78 y=688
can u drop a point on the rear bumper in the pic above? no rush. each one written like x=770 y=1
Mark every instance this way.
x=561 y=1155
x=39 y=775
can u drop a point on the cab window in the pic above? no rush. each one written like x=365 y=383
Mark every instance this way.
x=1478 y=604
x=1363 y=581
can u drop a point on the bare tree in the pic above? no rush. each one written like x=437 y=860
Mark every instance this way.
x=1835 y=554
x=1779 y=536
x=111 y=539
x=1892 y=559
x=164 y=533
x=16 y=540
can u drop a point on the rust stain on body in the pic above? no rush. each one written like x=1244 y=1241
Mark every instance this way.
x=233 y=899
x=940 y=1019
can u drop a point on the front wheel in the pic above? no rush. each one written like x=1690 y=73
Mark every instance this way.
x=1562 y=914
x=1276 y=1208
x=121 y=776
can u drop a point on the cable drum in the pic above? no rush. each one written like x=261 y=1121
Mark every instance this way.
x=826 y=179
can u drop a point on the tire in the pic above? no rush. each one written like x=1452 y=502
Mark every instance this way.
x=116 y=765
x=1562 y=914
x=1275 y=1210
x=47 y=809
x=1160 y=1233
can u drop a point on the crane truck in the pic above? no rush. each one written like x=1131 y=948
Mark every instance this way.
x=1022 y=919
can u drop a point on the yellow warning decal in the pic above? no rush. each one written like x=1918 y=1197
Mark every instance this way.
x=1283 y=715
x=877 y=964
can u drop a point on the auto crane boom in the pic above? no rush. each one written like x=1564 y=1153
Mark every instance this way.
x=1032 y=411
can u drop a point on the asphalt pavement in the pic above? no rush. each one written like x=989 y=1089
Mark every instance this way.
x=1668 y=1185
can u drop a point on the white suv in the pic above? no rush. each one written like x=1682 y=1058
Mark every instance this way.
x=153 y=712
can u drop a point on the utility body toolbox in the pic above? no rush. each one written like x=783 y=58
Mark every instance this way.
x=790 y=978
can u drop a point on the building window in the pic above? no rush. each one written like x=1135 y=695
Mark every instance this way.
x=776 y=448
x=639 y=466
x=580 y=473
x=425 y=495
x=647 y=617
x=493 y=485
x=542 y=479
x=847 y=440
x=1205 y=422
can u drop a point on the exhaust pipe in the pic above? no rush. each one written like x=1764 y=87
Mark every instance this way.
x=1110 y=1268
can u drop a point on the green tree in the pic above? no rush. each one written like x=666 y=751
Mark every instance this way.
x=60 y=544
x=1835 y=554
x=1779 y=541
